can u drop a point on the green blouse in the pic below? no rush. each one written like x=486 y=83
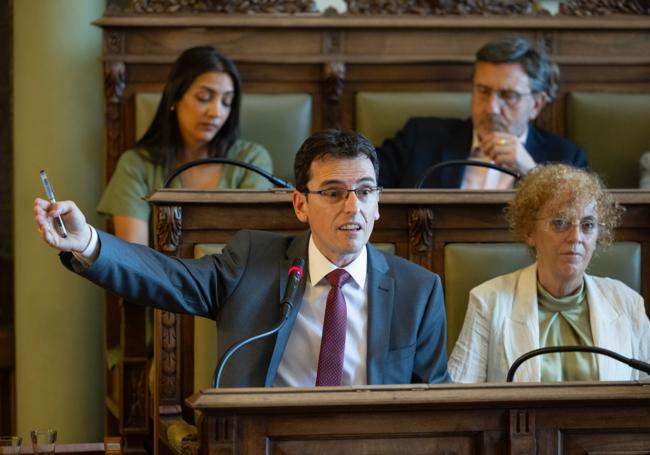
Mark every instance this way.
x=136 y=177
x=564 y=322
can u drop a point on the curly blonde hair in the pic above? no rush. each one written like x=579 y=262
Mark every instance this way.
x=561 y=186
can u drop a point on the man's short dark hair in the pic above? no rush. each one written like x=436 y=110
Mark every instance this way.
x=533 y=59
x=332 y=143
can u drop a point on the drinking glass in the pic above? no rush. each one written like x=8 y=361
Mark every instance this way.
x=10 y=445
x=43 y=441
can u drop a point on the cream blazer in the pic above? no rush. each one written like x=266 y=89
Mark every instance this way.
x=496 y=331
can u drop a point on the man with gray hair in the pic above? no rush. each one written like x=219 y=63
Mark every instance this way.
x=512 y=82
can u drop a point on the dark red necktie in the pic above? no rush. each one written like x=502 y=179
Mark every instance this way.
x=332 y=345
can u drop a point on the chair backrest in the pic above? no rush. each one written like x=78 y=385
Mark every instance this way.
x=279 y=122
x=469 y=264
x=613 y=128
x=380 y=115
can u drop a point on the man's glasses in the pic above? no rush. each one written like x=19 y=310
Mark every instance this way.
x=560 y=225
x=336 y=195
x=510 y=97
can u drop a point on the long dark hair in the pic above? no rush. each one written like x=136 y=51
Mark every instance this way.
x=163 y=138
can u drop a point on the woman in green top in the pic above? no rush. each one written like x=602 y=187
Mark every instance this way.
x=198 y=117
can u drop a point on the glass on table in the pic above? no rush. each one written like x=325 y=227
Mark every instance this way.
x=43 y=441
x=10 y=444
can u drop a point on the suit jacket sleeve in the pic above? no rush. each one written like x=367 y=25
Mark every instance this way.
x=393 y=156
x=145 y=276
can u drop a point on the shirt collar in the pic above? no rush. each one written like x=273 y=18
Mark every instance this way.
x=319 y=265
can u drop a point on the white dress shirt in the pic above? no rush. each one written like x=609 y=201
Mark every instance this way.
x=299 y=363
x=483 y=178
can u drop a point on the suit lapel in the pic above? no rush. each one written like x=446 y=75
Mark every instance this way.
x=380 y=309
x=609 y=330
x=457 y=148
x=297 y=249
x=521 y=328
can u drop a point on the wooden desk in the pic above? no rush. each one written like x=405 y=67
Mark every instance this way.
x=567 y=418
x=417 y=222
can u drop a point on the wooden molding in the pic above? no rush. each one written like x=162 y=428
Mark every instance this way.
x=212 y=6
x=604 y=7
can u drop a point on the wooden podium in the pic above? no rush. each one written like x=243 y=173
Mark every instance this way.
x=569 y=418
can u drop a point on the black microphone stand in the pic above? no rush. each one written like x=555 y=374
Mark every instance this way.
x=277 y=181
x=431 y=169
x=636 y=364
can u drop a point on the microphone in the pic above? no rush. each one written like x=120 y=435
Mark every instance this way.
x=636 y=364
x=431 y=169
x=277 y=181
x=295 y=273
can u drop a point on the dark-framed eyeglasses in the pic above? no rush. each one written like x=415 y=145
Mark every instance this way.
x=510 y=97
x=560 y=225
x=336 y=195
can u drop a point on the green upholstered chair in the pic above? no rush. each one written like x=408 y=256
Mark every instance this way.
x=614 y=130
x=280 y=122
x=380 y=115
x=469 y=264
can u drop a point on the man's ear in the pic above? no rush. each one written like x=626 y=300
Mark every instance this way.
x=300 y=206
x=539 y=102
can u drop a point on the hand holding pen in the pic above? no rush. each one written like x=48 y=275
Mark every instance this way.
x=58 y=222
x=73 y=235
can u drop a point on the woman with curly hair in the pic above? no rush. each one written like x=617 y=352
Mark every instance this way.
x=562 y=213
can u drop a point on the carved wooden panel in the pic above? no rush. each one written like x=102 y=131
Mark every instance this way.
x=211 y=6
x=442 y=7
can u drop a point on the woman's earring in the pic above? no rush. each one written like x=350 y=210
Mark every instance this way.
x=173 y=108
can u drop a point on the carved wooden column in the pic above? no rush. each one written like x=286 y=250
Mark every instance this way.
x=167 y=333
x=420 y=236
x=114 y=85
x=333 y=79
x=167 y=325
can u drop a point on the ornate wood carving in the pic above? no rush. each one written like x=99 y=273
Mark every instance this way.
x=114 y=84
x=116 y=7
x=333 y=84
x=442 y=7
x=169 y=359
x=420 y=225
x=604 y=7
x=169 y=229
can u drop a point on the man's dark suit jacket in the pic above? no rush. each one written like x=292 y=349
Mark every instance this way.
x=424 y=142
x=241 y=289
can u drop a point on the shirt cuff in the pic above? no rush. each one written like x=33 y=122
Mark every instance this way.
x=88 y=256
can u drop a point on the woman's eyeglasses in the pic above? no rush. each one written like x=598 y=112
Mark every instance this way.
x=560 y=225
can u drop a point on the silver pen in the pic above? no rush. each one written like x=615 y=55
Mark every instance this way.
x=50 y=196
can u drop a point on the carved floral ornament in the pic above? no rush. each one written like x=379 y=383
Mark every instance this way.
x=382 y=7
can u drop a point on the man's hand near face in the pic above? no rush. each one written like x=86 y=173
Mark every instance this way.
x=506 y=150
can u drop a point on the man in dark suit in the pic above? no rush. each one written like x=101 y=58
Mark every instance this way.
x=393 y=324
x=512 y=83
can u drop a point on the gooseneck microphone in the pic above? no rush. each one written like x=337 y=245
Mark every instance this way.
x=277 y=181
x=636 y=364
x=295 y=273
x=430 y=170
